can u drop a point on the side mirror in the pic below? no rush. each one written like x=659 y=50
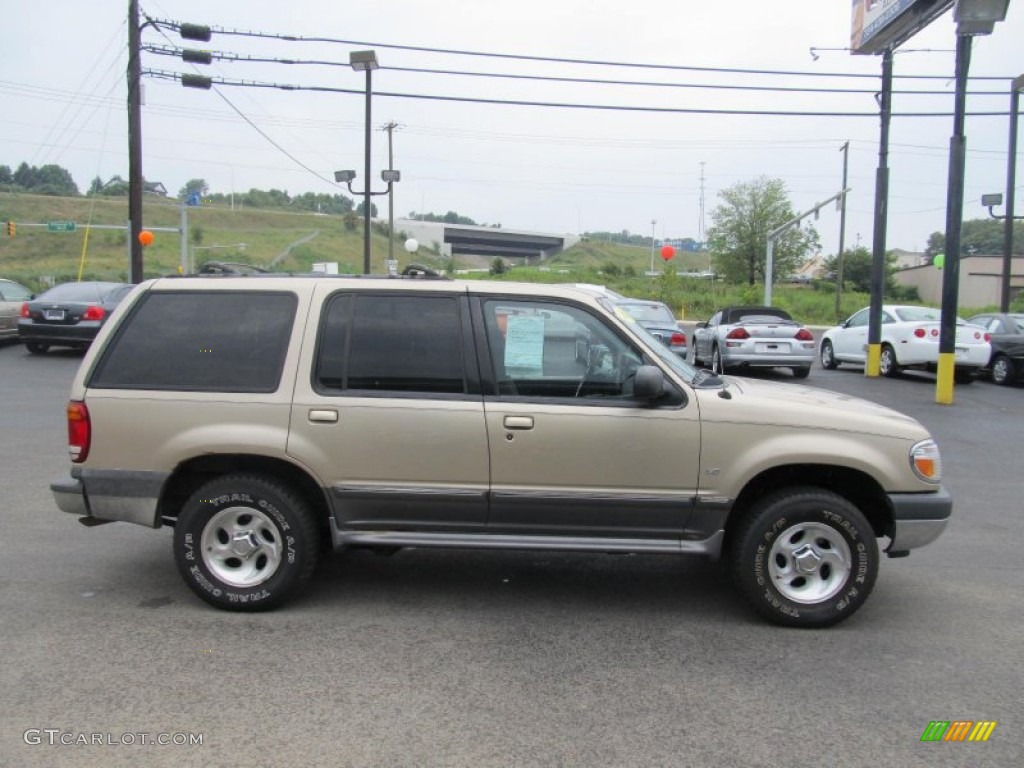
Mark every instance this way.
x=649 y=383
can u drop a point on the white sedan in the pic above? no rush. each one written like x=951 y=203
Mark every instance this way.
x=910 y=339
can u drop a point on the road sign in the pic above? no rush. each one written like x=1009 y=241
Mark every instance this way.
x=60 y=226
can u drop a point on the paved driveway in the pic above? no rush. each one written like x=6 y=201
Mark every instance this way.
x=497 y=659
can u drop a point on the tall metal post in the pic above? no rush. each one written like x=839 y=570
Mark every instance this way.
x=954 y=221
x=1011 y=168
x=845 y=149
x=653 y=222
x=881 y=218
x=390 y=128
x=134 y=142
x=366 y=181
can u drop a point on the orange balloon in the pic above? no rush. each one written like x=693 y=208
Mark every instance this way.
x=146 y=237
x=667 y=252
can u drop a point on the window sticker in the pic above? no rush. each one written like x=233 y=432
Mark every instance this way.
x=524 y=344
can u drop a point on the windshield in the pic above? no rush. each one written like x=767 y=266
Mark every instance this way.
x=650 y=313
x=918 y=314
x=666 y=355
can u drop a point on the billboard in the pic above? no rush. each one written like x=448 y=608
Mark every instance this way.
x=880 y=24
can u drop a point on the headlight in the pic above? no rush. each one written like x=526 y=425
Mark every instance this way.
x=926 y=461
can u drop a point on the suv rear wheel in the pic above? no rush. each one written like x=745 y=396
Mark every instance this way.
x=805 y=557
x=245 y=542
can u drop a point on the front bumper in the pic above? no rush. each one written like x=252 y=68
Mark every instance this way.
x=918 y=519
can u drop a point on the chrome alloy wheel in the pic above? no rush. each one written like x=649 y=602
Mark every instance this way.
x=809 y=563
x=241 y=546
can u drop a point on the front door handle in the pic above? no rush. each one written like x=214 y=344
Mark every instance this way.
x=519 y=422
x=324 y=415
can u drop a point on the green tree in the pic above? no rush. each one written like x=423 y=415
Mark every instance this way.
x=498 y=266
x=193 y=187
x=738 y=236
x=857 y=269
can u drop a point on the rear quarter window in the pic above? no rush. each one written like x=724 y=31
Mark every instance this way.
x=202 y=341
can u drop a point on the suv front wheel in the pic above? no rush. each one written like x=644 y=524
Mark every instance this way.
x=245 y=542
x=805 y=557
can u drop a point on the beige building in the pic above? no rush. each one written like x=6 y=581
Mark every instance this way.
x=980 y=281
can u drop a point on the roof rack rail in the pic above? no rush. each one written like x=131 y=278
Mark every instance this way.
x=422 y=271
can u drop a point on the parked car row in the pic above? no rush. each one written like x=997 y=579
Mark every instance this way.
x=733 y=339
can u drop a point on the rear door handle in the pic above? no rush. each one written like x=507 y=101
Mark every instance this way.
x=325 y=415
x=519 y=422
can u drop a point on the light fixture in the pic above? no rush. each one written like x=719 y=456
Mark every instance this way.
x=978 y=17
x=344 y=176
x=390 y=175
x=361 y=61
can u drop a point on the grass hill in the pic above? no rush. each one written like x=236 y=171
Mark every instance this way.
x=35 y=252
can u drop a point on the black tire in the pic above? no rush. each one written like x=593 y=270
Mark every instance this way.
x=691 y=354
x=256 y=512
x=831 y=537
x=887 y=363
x=964 y=377
x=828 y=356
x=1003 y=371
x=801 y=372
x=36 y=347
x=716 y=361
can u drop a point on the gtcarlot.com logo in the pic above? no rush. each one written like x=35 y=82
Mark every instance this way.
x=57 y=737
x=958 y=730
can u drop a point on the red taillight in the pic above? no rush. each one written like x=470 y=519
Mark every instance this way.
x=24 y=310
x=804 y=335
x=79 y=431
x=935 y=331
x=920 y=333
x=988 y=337
x=738 y=333
x=94 y=313
x=677 y=339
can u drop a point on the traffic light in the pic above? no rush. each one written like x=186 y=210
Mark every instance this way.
x=12 y=229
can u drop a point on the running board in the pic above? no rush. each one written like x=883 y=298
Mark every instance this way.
x=711 y=546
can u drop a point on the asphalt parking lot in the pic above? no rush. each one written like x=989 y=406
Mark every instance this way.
x=496 y=659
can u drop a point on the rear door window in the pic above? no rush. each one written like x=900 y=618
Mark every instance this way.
x=391 y=343
x=204 y=341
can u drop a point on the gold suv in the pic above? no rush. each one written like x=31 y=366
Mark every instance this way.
x=261 y=415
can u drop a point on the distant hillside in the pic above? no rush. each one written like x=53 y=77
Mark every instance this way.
x=36 y=252
x=287 y=241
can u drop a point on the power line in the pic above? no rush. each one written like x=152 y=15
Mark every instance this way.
x=550 y=59
x=170 y=75
x=175 y=52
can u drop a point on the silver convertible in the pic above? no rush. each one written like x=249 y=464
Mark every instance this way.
x=748 y=337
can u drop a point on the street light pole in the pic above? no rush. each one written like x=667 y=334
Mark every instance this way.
x=973 y=17
x=1011 y=168
x=367 y=62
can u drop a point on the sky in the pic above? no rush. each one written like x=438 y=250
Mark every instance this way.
x=554 y=169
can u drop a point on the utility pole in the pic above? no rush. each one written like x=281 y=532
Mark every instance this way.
x=390 y=128
x=845 y=149
x=872 y=366
x=134 y=142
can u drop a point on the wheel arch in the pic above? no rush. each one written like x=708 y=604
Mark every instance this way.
x=857 y=487
x=190 y=475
